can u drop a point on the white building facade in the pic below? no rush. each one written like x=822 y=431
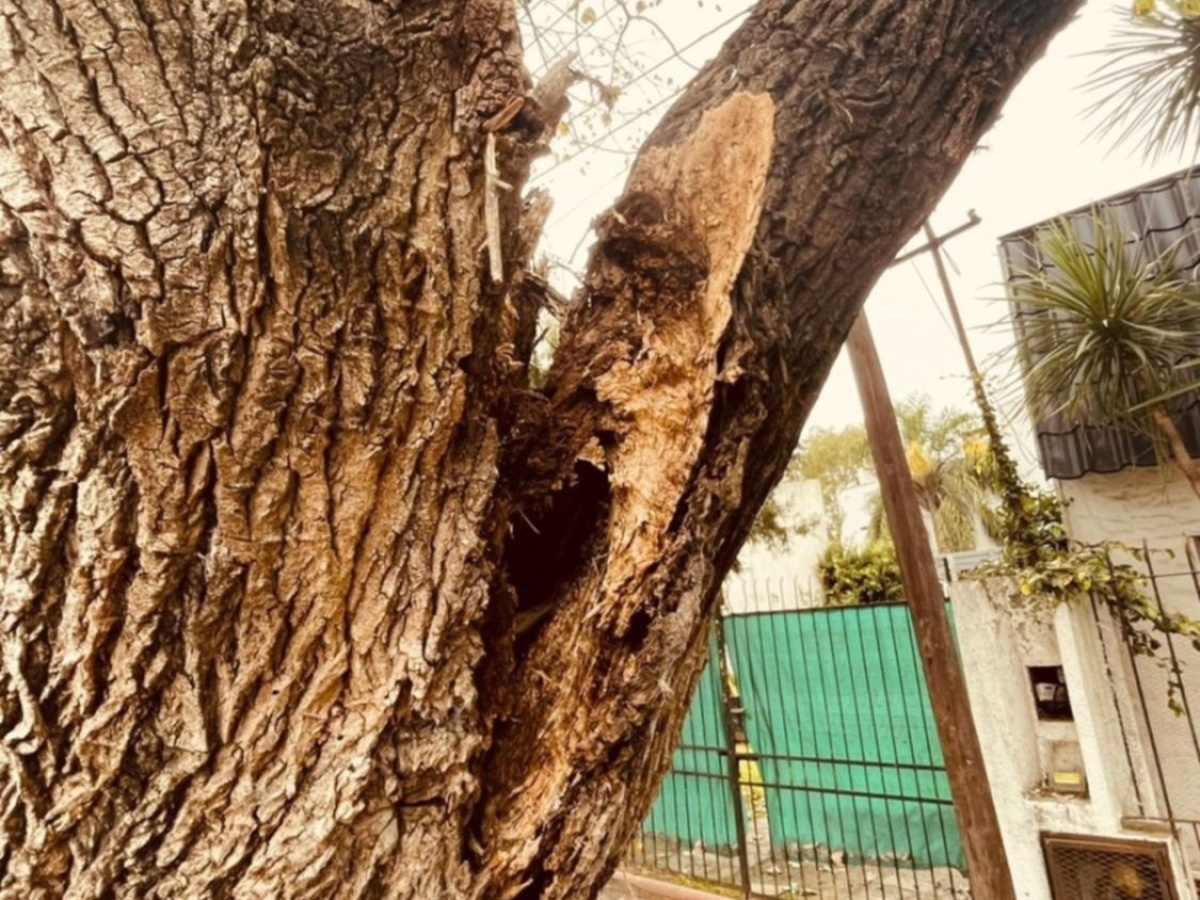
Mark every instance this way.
x=1113 y=772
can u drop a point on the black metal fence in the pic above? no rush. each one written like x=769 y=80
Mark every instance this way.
x=809 y=765
x=1161 y=706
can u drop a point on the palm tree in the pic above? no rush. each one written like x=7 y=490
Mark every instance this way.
x=1106 y=332
x=947 y=459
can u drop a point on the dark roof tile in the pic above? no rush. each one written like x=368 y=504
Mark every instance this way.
x=1163 y=213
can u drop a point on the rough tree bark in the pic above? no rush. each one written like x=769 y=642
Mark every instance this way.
x=1180 y=456
x=305 y=592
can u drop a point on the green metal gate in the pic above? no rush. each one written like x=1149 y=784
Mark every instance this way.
x=820 y=743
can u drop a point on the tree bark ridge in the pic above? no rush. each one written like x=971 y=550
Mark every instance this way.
x=246 y=469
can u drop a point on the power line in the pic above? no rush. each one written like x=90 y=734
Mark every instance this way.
x=929 y=294
x=678 y=54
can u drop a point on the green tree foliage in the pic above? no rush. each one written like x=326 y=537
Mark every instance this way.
x=947 y=454
x=951 y=465
x=865 y=575
x=836 y=459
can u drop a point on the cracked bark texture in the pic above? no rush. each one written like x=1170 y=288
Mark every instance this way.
x=304 y=592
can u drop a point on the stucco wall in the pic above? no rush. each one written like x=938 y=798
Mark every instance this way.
x=1156 y=508
x=771 y=578
x=1132 y=506
x=1000 y=637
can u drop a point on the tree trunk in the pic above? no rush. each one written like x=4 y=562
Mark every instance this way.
x=1188 y=467
x=305 y=593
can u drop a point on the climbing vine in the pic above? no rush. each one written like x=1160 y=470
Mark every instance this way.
x=1051 y=568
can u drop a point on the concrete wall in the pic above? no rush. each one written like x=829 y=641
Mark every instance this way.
x=769 y=578
x=1000 y=636
x=1155 y=505
x=1158 y=508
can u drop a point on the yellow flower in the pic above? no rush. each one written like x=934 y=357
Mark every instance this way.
x=919 y=463
x=976 y=447
x=1143 y=7
x=1189 y=8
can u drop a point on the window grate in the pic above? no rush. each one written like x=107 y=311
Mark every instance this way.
x=1097 y=868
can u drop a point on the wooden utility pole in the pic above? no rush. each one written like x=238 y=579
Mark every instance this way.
x=987 y=862
x=934 y=246
x=1006 y=472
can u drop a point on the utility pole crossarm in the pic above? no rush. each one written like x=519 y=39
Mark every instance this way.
x=933 y=242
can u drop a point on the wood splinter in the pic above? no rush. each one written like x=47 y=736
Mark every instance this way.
x=491 y=208
x=503 y=118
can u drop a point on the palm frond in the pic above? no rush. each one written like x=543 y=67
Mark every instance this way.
x=1149 y=87
x=935 y=431
x=965 y=498
x=951 y=485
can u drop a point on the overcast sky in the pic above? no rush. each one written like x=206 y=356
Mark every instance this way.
x=1038 y=161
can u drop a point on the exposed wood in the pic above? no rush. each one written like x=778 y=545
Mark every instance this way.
x=969 y=787
x=666 y=261
x=934 y=243
x=863 y=147
x=1188 y=467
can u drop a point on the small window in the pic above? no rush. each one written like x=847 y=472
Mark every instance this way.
x=1050 y=693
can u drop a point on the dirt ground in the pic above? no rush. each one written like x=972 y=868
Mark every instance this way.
x=784 y=873
x=821 y=882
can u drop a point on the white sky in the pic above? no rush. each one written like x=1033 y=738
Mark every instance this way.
x=1038 y=161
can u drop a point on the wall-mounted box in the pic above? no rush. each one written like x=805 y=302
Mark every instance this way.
x=1064 y=771
x=1050 y=696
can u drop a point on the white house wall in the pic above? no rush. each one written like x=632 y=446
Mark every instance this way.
x=1000 y=638
x=767 y=578
x=1132 y=506
x=1135 y=506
